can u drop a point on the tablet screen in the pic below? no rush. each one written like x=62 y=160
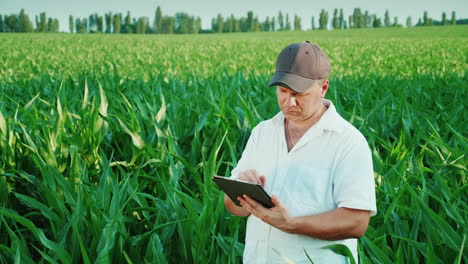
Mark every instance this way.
x=236 y=188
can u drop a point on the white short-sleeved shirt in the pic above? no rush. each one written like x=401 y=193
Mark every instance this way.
x=330 y=167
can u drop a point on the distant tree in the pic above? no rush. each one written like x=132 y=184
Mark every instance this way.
x=56 y=25
x=11 y=23
x=237 y=25
x=167 y=25
x=335 y=19
x=453 y=21
x=71 y=24
x=376 y=23
x=323 y=19
x=128 y=25
x=287 y=24
x=280 y=21
x=358 y=18
x=229 y=24
x=183 y=23
x=273 y=24
x=297 y=22
x=1 y=24
x=387 y=19
x=42 y=22
x=133 y=25
x=367 y=20
x=6 y=23
x=49 y=24
x=350 y=22
x=117 y=23
x=77 y=25
x=220 y=23
x=25 y=24
x=425 y=19
x=341 y=19
x=92 y=23
x=142 y=25
x=266 y=25
x=257 y=26
x=419 y=22
x=444 y=19
x=84 y=25
x=395 y=22
x=409 y=23
x=345 y=26
x=197 y=25
x=158 y=20
x=243 y=27
x=312 y=21
x=108 y=20
x=250 y=21
x=100 y=24
x=81 y=25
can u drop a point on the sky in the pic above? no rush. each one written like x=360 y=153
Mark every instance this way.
x=208 y=9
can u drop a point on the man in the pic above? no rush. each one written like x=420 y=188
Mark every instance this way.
x=317 y=166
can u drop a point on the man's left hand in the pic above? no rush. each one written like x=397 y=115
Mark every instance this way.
x=277 y=216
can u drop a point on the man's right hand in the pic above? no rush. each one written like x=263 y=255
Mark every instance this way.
x=252 y=176
x=249 y=176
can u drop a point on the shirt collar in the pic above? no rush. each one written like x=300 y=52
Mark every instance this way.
x=330 y=120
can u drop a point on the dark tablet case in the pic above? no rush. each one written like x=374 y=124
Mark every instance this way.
x=234 y=189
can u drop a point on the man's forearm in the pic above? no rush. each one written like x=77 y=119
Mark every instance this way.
x=233 y=208
x=337 y=224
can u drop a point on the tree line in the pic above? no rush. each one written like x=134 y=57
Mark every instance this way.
x=183 y=23
x=22 y=23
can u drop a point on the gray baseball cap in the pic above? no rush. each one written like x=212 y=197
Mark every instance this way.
x=299 y=65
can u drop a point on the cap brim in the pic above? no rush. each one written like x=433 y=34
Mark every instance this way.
x=291 y=81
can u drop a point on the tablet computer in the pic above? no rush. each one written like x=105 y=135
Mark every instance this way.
x=236 y=188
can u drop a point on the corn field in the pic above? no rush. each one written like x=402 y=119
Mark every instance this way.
x=108 y=143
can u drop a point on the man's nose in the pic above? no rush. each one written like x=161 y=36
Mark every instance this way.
x=292 y=101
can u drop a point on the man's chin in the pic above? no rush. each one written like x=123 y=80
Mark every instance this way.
x=292 y=116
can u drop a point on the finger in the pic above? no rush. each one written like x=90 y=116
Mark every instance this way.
x=245 y=205
x=246 y=176
x=257 y=209
x=275 y=200
x=262 y=181
x=254 y=205
x=256 y=177
x=240 y=176
x=249 y=176
x=241 y=201
x=252 y=174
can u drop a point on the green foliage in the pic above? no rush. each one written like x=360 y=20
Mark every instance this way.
x=108 y=143
x=387 y=19
x=24 y=23
x=158 y=20
x=323 y=19
x=453 y=21
x=342 y=250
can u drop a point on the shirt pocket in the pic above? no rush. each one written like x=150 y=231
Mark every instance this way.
x=310 y=190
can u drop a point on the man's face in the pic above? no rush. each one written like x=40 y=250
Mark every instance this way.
x=301 y=106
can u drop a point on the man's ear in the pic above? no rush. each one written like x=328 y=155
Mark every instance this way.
x=325 y=87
